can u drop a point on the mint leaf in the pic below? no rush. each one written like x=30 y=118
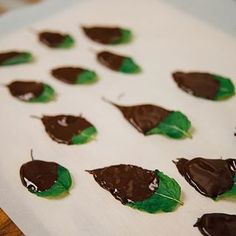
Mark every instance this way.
x=166 y=198
x=87 y=77
x=47 y=95
x=24 y=57
x=85 y=136
x=129 y=66
x=126 y=37
x=175 y=125
x=61 y=186
x=68 y=42
x=226 y=88
x=230 y=193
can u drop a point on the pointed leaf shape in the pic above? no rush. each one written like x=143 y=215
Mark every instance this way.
x=210 y=177
x=118 y=63
x=15 y=58
x=69 y=129
x=56 y=39
x=108 y=35
x=175 y=125
x=45 y=179
x=30 y=91
x=166 y=197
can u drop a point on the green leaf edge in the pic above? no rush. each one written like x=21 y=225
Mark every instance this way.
x=24 y=57
x=128 y=66
x=229 y=194
x=176 y=131
x=126 y=37
x=87 y=77
x=60 y=187
x=68 y=42
x=226 y=89
x=85 y=136
x=160 y=201
x=46 y=96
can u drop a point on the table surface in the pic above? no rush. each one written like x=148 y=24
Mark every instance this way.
x=7 y=227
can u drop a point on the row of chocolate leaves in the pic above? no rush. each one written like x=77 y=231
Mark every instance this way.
x=153 y=191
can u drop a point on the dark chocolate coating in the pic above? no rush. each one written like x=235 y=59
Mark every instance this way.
x=210 y=177
x=38 y=176
x=144 y=117
x=127 y=183
x=8 y=55
x=26 y=90
x=217 y=224
x=52 y=39
x=198 y=84
x=62 y=128
x=110 y=60
x=67 y=75
x=104 y=35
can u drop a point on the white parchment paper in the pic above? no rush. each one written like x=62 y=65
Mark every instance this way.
x=166 y=40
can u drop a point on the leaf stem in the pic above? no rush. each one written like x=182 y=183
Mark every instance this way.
x=31 y=154
x=176 y=200
x=35 y=117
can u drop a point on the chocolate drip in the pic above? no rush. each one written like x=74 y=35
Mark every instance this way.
x=38 y=176
x=127 y=183
x=110 y=60
x=210 y=177
x=217 y=224
x=26 y=90
x=52 y=39
x=67 y=75
x=8 y=55
x=104 y=35
x=62 y=128
x=198 y=84
x=144 y=117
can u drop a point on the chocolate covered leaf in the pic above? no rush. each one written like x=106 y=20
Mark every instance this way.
x=126 y=37
x=14 y=58
x=87 y=77
x=226 y=88
x=228 y=194
x=48 y=94
x=166 y=197
x=129 y=66
x=61 y=186
x=175 y=125
x=68 y=42
x=85 y=136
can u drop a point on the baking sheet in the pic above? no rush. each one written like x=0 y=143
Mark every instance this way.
x=166 y=39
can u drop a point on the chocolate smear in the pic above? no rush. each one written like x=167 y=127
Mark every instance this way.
x=52 y=39
x=67 y=75
x=62 y=128
x=217 y=224
x=110 y=60
x=198 y=84
x=26 y=90
x=104 y=35
x=38 y=176
x=127 y=183
x=210 y=177
x=143 y=117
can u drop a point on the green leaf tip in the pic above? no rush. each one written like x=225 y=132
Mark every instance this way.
x=22 y=58
x=87 y=77
x=165 y=199
x=176 y=125
x=126 y=37
x=226 y=88
x=68 y=42
x=47 y=95
x=60 y=187
x=85 y=136
x=229 y=194
x=128 y=66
